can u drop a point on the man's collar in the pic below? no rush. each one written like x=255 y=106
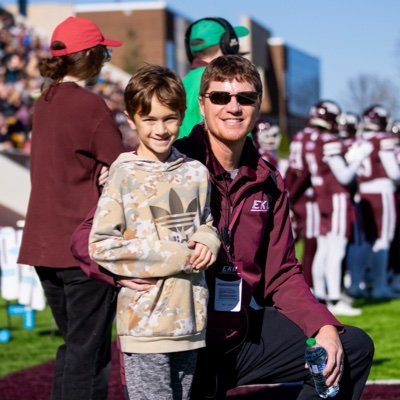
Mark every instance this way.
x=200 y=149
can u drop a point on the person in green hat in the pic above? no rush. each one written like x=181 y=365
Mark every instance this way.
x=205 y=39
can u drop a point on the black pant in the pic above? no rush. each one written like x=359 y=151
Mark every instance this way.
x=276 y=355
x=84 y=310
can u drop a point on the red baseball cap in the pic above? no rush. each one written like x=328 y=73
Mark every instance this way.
x=79 y=34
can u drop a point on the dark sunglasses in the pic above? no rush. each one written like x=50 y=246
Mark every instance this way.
x=223 y=98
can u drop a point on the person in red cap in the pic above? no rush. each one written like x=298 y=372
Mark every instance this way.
x=74 y=137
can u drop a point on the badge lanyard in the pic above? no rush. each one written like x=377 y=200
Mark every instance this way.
x=228 y=282
x=227 y=229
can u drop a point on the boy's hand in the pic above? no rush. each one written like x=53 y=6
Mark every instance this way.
x=202 y=257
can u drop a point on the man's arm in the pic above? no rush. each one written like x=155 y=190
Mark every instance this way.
x=80 y=250
x=297 y=183
x=285 y=285
x=389 y=162
x=344 y=173
x=345 y=167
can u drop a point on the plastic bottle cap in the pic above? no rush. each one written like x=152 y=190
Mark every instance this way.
x=311 y=341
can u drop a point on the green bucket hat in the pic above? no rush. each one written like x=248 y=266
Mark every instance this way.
x=207 y=33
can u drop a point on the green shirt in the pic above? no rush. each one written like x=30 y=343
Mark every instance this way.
x=191 y=83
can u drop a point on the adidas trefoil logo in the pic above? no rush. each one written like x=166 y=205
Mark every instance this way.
x=176 y=220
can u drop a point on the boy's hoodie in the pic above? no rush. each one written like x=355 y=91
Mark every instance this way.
x=146 y=214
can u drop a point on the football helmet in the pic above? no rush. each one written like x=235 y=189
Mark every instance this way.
x=375 y=118
x=266 y=135
x=324 y=114
x=348 y=124
x=395 y=127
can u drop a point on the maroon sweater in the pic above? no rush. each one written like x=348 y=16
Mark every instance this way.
x=73 y=136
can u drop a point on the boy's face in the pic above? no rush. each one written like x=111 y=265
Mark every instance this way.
x=157 y=131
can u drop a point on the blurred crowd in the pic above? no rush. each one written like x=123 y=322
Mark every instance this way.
x=20 y=82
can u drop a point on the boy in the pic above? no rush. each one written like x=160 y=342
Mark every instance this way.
x=153 y=220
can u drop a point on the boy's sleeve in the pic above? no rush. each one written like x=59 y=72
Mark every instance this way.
x=120 y=250
x=206 y=233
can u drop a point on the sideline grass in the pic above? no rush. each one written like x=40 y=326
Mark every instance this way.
x=27 y=348
x=380 y=320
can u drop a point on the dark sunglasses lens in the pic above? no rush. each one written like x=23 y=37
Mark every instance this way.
x=220 y=97
x=247 y=98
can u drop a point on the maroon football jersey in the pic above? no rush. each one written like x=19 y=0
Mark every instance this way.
x=332 y=197
x=371 y=167
x=303 y=204
x=377 y=198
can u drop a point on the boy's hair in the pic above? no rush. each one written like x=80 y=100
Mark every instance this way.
x=229 y=67
x=154 y=80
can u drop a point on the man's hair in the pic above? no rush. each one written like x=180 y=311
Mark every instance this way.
x=154 y=80
x=209 y=52
x=229 y=67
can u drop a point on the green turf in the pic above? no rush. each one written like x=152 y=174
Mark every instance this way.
x=380 y=319
x=27 y=347
x=31 y=347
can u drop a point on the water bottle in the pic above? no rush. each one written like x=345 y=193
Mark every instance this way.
x=316 y=358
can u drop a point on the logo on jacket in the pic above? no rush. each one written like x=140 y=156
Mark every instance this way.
x=176 y=224
x=260 y=206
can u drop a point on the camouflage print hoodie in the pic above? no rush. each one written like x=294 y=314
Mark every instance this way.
x=146 y=214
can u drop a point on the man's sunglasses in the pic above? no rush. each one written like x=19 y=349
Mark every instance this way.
x=223 y=98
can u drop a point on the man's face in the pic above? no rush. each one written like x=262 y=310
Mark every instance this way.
x=232 y=121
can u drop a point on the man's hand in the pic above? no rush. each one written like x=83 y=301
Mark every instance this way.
x=328 y=337
x=135 y=283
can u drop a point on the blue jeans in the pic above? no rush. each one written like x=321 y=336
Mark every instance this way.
x=84 y=311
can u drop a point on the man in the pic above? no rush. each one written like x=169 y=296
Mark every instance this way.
x=267 y=138
x=357 y=248
x=331 y=178
x=205 y=39
x=377 y=178
x=304 y=210
x=260 y=310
